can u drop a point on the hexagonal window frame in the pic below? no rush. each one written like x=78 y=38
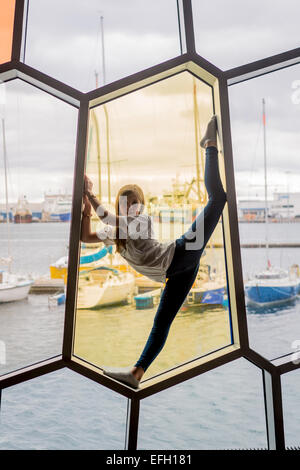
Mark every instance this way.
x=195 y=366
x=271 y=370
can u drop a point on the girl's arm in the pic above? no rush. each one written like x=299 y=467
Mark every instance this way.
x=103 y=214
x=86 y=235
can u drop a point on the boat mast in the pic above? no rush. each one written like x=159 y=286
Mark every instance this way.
x=266 y=181
x=105 y=112
x=95 y=119
x=196 y=138
x=6 y=191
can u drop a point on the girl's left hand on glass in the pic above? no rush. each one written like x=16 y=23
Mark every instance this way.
x=88 y=185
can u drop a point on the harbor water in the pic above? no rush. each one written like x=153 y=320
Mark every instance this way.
x=221 y=409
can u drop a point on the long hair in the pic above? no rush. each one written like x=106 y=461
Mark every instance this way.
x=127 y=190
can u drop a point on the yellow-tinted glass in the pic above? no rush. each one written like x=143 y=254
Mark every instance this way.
x=151 y=137
x=7 y=9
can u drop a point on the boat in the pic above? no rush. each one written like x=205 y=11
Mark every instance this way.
x=272 y=285
x=13 y=287
x=104 y=286
x=147 y=299
x=57 y=207
x=62 y=209
x=59 y=269
x=210 y=292
x=23 y=215
x=57 y=299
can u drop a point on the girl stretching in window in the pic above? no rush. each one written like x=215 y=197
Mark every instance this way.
x=175 y=263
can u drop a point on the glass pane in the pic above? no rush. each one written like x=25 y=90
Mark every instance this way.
x=62 y=411
x=290 y=397
x=38 y=157
x=66 y=39
x=6 y=29
x=221 y=409
x=233 y=33
x=270 y=246
x=151 y=143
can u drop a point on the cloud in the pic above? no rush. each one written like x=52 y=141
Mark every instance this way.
x=233 y=32
x=64 y=38
x=64 y=41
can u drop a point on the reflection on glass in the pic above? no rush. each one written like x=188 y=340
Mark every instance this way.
x=290 y=383
x=6 y=29
x=148 y=138
x=266 y=154
x=62 y=411
x=36 y=166
x=87 y=45
x=221 y=409
x=260 y=29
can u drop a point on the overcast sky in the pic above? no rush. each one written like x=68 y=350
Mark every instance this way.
x=64 y=41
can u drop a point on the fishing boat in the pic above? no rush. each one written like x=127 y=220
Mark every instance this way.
x=103 y=286
x=12 y=286
x=23 y=214
x=57 y=207
x=62 y=209
x=272 y=285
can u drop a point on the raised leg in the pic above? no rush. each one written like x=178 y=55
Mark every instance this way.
x=190 y=246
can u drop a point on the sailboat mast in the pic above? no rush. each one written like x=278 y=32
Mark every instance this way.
x=6 y=189
x=266 y=181
x=103 y=49
x=196 y=139
x=105 y=112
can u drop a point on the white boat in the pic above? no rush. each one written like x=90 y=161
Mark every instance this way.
x=57 y=207
x=12 y=286
x=104 y=286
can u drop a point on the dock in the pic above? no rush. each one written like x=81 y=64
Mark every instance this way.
x=271 y=245
x=44 y=285
x=260 y=245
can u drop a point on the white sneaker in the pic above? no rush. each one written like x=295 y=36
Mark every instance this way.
x=122 y=374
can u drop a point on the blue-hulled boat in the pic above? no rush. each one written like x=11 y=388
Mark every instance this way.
x=271 y=287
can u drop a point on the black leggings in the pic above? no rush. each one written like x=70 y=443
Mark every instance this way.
x=183 y=269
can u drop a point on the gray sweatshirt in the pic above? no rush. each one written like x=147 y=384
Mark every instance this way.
x=143 y=252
